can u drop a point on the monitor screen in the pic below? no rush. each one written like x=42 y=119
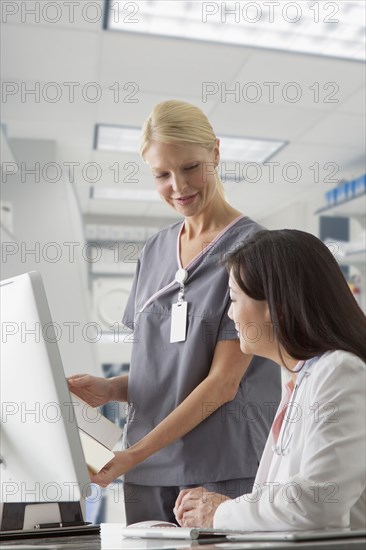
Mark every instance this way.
x=41 y=455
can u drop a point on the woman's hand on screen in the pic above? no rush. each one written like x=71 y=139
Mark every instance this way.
x=96 y=391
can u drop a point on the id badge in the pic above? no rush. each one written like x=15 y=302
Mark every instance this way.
x=178 y=325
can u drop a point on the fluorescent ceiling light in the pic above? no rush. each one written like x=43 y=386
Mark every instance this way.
x=114 y=193
x=117 y=138
x=240 y=149
x=331 y=29
x=248 y=150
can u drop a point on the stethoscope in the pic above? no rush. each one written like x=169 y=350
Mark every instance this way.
x=282 y=447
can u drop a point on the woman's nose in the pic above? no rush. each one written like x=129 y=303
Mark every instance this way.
x=178 y=183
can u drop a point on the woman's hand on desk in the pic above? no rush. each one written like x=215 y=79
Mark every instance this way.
x=96 y=391
x=196 y=507
x=120 y=464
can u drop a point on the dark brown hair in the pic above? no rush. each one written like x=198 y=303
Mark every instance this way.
x=311 y=305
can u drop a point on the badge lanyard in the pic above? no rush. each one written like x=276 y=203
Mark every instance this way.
x=178 y=327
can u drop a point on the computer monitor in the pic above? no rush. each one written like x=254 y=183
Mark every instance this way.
x=44 y=478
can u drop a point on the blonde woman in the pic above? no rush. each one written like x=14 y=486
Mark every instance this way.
x=193 y=393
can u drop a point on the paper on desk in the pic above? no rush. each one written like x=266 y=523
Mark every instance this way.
x=112 y=539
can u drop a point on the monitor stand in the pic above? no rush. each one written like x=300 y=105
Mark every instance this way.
x=63 y=514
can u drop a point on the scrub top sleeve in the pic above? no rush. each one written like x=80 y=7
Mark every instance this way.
x=227 y=330
x=129 y=313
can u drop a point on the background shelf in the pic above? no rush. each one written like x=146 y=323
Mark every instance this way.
x=356 y=206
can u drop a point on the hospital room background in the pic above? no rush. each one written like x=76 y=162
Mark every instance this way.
x=283 y=84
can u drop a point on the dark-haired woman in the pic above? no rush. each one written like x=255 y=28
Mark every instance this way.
x=288 y=286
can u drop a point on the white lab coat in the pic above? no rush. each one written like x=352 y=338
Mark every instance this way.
x=320 y=483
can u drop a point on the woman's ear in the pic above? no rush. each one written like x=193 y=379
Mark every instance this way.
x=267 y=314
x=217 y=152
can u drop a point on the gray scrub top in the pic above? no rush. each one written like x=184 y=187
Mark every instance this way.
x=229 y=443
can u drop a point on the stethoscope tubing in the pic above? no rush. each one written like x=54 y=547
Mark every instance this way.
x=282 y=448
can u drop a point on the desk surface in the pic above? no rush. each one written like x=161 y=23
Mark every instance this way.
x=92 y=542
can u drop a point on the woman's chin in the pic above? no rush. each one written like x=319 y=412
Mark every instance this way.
x=243 y=346
x=247 y=348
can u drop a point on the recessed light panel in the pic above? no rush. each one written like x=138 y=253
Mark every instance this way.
x=331 y=29
x=241 y=149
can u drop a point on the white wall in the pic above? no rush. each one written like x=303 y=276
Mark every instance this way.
x=298 y=214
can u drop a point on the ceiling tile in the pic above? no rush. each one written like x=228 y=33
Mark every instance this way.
x=32 y=53
x=173 y=65
x=337 y=129
x=296 y=80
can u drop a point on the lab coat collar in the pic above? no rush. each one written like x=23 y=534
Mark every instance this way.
x=303 y=368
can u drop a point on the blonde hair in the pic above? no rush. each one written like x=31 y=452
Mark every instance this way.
x=176 y=121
